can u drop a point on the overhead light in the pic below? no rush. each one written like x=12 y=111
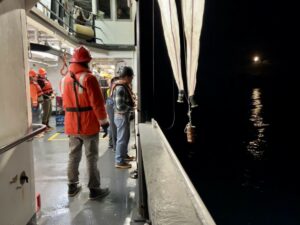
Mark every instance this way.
x=56 y=47
x=43 y=63
x=45 y=55
x=71 y=51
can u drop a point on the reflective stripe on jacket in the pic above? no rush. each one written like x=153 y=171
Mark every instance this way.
x=35 y=93
x=82 y=115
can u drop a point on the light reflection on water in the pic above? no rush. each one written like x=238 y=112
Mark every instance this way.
x=256 y=146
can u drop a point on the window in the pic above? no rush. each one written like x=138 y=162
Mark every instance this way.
x=123 y=9
x=104 y=7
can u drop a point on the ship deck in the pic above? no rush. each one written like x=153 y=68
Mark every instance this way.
x=50 y=162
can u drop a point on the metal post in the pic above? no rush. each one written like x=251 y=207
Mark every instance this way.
x=94 y=7
x=142 y=200
x=138 y=59
x=142 y=196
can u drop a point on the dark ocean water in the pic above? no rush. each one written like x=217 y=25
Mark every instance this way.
x=244 y=164
x=245 y=161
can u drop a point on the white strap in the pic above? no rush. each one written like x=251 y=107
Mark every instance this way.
x=81 y=79
x=62 y=85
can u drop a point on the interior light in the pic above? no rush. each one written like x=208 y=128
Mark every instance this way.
x=44 y=55
x=71 y=51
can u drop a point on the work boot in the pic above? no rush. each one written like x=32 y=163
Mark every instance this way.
x=134 y=174
x=49 y=127
x=97 y=193
x=129 y=158
x=124 y=165
x=74 y=189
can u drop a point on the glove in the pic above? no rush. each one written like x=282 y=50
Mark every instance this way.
x=105 y=129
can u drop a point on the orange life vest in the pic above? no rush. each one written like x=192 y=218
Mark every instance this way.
x=83 y=101
x=35 y=93
x=128 y=89
x=47 y=89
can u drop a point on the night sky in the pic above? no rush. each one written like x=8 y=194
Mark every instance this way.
x=233 y=32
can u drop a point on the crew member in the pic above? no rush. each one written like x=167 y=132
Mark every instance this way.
x=123 y=105
x=47 y=89
x=36 y=95
x=84 y=113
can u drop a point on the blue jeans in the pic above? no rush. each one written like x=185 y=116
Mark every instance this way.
x=112 y=132
x=123 y=134
x=35 y=114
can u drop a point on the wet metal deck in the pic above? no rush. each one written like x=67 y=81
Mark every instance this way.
x=50 y=160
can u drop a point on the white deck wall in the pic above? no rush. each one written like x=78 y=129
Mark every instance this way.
x=17 y=201
x=13 y=81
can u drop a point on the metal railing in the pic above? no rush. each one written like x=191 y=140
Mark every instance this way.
x=33 y=131
x=142 y=196
x=170 y=195
x=71 y=20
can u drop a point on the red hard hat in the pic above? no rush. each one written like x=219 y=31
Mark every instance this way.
x=81 y=55
x=32 y=73
x=42 y=72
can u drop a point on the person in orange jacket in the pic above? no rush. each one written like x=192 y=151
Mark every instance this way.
x=36 y=95
x=47 y=89
x=84 y=113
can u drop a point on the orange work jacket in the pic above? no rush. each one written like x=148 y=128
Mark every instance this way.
x=82 y=115
x=35 y=93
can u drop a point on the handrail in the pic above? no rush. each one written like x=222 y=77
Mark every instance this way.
x=66 y=12
x=71 y=18
x=164 y=205
x=142 y=200
x=33 y=131
x=83 y=9
x=75 y=18
x=57 y=17
x=39 y=17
